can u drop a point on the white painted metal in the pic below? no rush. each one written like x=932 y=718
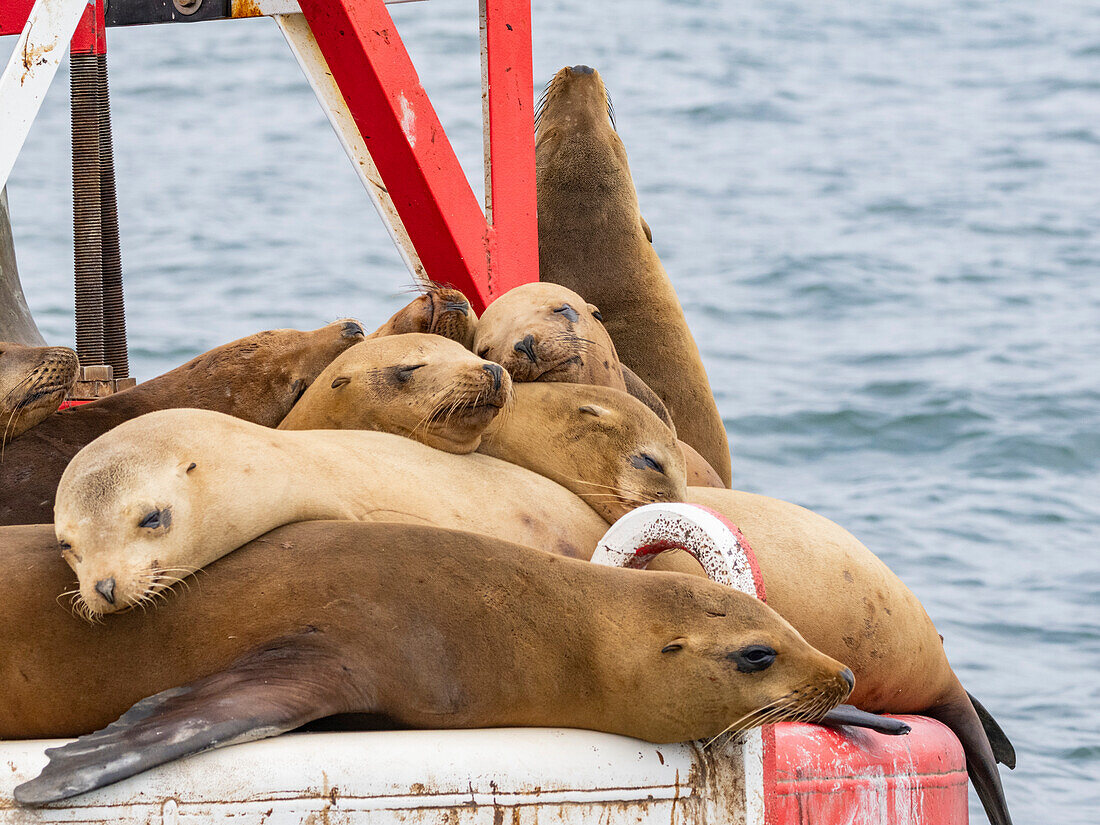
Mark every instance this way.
x=476 y=776
x=269 y=8
x=30 y=70
x=647 y=530
x=308 y=54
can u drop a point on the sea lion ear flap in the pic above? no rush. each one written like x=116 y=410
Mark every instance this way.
x=646 y=229
x=593 y=409
x=289 y=682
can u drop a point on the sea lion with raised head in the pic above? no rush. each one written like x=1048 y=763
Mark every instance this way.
x=430 y=628
x=257 y=378
x=439 y=310
x=420 y=386
x=33 y=383
x=851 y=606
x=167 y=493
x=603 y=444
x=593 y=240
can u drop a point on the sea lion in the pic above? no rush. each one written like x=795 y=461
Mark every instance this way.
x=257 y=378
x=420 y=386
x=165 y=494
x=851 y=606
x=547 y=333
x=428 y=627
x=601 y=443
x=33 y=383
x=439 y=310
x=593 y=240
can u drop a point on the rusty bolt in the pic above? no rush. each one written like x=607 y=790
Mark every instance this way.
x=187 y=6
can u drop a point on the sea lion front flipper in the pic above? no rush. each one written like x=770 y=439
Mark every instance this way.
x=1003 y=750
x=848 y=715
x=267 y=692
x=642 y=391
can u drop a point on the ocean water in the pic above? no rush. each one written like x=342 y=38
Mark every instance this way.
x=883 y=221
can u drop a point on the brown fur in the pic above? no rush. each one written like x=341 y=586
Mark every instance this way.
x=257 y=378
x=851 y=606
x=174 y=490
x=419 y=386
x=567 y=340
x=603 y=444
x=33 y=383
x=593 y=240
x=430 y=627
x=439 y=311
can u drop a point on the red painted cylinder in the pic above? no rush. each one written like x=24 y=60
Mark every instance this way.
x=829 y=776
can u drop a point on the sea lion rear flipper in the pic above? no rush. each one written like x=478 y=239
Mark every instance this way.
x=267 y=692
x=1003 y=750
x=848 y=715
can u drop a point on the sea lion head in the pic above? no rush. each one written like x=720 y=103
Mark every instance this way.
x=421 y=386
x=33 y=383
x=603 y=444
x=725 y=662
x=545 y=332
x=440 y=310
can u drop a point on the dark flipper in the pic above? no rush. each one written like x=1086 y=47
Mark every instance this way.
x=270 y=691
x=1003 y=751
x=848 y=715
x=642 y=391
x=981 y=765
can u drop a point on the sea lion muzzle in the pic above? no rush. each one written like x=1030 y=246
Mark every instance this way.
x=527 y=347
x=106 y=589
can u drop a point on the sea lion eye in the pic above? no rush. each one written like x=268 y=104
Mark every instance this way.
x=155 y=519
x=753 y=658
x=644 y=461
x=596 y=314
x=568 y=312
x=403 y=374
x=64 y=545
x=299 y=389
x=672 y=647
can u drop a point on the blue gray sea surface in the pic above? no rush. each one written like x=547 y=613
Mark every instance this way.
x=882 y=219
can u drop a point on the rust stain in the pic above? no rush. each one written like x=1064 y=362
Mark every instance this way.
x=34 y=57
x=246 y=8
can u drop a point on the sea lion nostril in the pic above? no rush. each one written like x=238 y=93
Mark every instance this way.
x=580 y=68
x=351 y=329
x=457 y=306
x=106 y=589
x=848 y=677
x=527 y=347
x=496 y=371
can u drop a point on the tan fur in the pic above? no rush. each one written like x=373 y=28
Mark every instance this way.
x=33 y=383
x=214 y=482
x=431 y=627
x=420 y=386
x=440 y=311
x=592 y=239
x=568 y=341
x=598 y=442
x=257 y=378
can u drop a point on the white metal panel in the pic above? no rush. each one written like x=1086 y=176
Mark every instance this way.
x=30 y=70
x=514 y=775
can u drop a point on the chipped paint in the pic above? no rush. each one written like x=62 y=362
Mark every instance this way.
x=408 y=120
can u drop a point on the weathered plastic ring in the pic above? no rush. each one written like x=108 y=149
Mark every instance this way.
x=718 y=545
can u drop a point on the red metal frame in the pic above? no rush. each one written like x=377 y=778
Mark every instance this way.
x=91 y=33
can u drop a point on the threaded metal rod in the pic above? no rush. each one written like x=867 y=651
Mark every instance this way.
x=87 y=210
x=114 y=309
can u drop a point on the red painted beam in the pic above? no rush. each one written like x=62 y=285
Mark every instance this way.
x=90 y=36
x=406 y=140
x=13 y=15
x=510 y=150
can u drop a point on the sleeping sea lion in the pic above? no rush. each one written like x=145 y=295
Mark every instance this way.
x=33 y=383
x=593 y=240
x=420 y=386
x=439 y=310
x=165 y=494
x=851 y=606
x=547 y=333
x=428 y=627
x=257 y=378
x=603 y=444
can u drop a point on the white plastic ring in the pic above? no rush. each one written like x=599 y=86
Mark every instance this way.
x=719 y=546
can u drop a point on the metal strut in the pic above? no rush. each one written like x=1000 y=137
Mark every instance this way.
x=100 y=313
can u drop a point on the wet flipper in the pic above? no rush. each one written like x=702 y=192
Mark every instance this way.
x=270 y=691
x=848 y=715
x=1003 y=750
